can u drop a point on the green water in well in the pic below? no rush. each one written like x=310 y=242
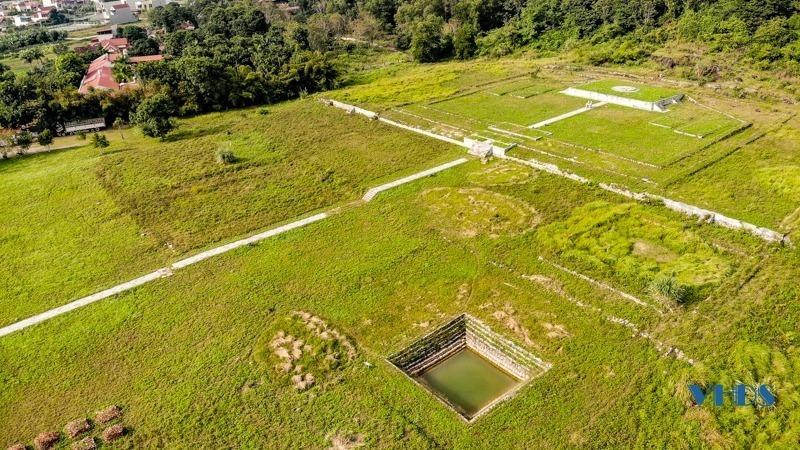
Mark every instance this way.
x=468 y=381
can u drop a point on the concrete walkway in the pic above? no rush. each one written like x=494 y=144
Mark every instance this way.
x=565 y=115
x=164 y=272
x=167 y=271
x=374 y=191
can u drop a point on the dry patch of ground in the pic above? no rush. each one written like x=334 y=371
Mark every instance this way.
x=502 y=173
x=342 y=441
x=467 y=213
x=304 y=348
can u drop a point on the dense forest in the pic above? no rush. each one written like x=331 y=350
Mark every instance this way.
x=240 y=53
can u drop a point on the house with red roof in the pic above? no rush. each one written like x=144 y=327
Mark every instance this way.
x=99 y=75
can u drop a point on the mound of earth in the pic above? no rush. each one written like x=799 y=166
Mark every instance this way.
x=467 y=213
x=304 y=348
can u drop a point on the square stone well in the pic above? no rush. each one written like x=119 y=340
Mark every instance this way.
x=466 y=333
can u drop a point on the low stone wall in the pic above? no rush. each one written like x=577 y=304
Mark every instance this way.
x=350 y=108
x=658 y=106
x=704 y=214
x=432 y=348
x=463 y=332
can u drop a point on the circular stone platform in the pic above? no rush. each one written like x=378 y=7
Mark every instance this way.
x=627 y=89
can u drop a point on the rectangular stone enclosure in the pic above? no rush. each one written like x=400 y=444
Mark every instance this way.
x=467 y=366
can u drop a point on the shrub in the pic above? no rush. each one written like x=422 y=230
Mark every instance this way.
x=263 y=111
x=82 y=135
x=100 y=141
x=667 y=291
x=225 y=155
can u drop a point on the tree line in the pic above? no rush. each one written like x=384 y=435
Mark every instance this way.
x=18 y=39
x=224 y=54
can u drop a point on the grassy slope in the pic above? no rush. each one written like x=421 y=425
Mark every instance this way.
x=79 y=221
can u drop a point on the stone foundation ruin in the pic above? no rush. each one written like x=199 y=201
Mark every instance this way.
x=467 y=332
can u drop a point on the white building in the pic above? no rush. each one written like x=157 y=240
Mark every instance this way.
x=22 y=21
x=120 y=13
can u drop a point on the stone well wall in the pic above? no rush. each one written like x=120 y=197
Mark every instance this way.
x=463 y=332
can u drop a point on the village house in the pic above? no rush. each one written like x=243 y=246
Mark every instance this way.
x=99 y=74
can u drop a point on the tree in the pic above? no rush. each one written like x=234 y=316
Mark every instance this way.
x=122 y=70
x=32 y=54
x=45 y=138
x=24 y=141
x=100 y=140
x=118 y=123
x=6 y=141
x=428 y=42
x=60 y=48
x=153 y=116
x=367 y=28
x=464 y=41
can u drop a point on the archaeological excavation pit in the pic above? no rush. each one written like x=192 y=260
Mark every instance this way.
x=467 y=366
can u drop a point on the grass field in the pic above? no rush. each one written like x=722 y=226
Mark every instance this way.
x=138 y=204
x=560 y=267
x=630 y=133
x=492 y=109
x=180 y=355
x=658 y=153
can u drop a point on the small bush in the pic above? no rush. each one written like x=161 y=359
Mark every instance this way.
x=667 y=291
x=100 y=141
x=225 y=156
x=81 y=135
x=263 y=111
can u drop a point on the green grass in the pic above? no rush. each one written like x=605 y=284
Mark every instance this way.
x=181 y=355
x=492 y=109
x=79 y=221
x=19 y=67
x=645 y=92
x=628 y=133
x=758 y=183
x=189 y=357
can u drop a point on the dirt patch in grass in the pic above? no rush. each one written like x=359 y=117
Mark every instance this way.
x=502 y=173
x=467 y=213
x=555 y=331
x=303 y=347
x=507 y=315
x=341 y=441
x=85 y=444
x=653 y=251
